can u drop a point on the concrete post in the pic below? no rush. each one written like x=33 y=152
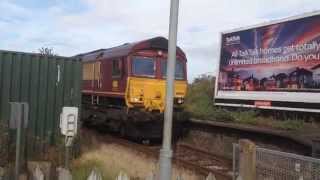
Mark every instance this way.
x=247 y=163
x=166 y=152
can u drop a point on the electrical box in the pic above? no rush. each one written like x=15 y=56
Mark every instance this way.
x=69 y=121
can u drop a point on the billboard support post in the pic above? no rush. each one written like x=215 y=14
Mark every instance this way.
x=166 y=152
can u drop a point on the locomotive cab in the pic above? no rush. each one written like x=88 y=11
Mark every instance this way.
x=147 y=81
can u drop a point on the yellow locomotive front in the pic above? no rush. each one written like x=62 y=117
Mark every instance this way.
x=146 y=83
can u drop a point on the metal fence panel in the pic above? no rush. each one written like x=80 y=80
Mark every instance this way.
x=46 y=84
x=276 y=165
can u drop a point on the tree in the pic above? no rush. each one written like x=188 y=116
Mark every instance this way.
x=47 y=51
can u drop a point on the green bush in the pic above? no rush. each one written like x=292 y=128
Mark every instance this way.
x=295 y=124
x=199 y=101
x=246 y=117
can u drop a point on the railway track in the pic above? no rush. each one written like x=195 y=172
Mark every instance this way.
x=269 y=138
x=202 y=161
x=184 y=156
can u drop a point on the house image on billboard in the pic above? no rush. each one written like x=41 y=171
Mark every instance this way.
x=300 y=78
x=263 y=83
x=282 y=80
x=251 y=83
x=268 y=83
x=230 y=80
x=316 y=74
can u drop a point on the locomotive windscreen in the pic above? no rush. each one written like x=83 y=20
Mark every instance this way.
x=143 y=66
x=179 y=75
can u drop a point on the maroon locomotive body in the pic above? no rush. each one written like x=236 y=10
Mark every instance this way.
x=128 y=79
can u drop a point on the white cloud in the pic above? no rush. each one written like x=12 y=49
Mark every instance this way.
x=108 y=23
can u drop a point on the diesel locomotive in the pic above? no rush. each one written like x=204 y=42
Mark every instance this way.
x=124 y=88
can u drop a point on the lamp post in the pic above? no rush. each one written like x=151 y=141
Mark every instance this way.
x=166 y=152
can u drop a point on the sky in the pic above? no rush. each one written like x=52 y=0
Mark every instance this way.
x=71 y=27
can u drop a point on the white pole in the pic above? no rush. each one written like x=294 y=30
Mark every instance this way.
x=166 y=152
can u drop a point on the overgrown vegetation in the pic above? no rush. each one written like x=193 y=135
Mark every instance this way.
x=199 y=103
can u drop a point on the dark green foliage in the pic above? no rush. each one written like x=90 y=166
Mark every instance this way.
x=199 y=101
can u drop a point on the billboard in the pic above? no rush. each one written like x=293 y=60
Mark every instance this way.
x=274 y=65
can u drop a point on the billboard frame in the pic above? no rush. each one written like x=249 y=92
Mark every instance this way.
x=220 y=98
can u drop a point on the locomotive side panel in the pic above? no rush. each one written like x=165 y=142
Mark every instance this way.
x=90 y=76
x=113 y=77
x=105 y=77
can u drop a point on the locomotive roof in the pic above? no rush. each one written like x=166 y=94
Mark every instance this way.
x=127 y=48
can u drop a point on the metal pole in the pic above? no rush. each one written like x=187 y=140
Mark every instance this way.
x=166 y=152
x=67 y=157
x=68 y=143
x=18 y=143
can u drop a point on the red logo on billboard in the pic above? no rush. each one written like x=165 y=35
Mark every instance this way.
x=262 y=103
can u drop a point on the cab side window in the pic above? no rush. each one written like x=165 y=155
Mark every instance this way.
x=88 y=71
x=116 y=68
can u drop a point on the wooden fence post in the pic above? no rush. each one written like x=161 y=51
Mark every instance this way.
x=247 y=163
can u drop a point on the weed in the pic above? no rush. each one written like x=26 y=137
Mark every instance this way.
x=245 y=117
x=295 y=124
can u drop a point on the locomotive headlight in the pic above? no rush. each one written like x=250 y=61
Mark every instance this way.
x=180 y=100
x=135 y=99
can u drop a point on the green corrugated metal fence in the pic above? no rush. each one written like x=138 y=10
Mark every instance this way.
x=46 y=83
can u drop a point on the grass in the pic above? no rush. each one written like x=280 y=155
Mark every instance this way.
x=199 y=104
x=111 y=159
x=82 y=169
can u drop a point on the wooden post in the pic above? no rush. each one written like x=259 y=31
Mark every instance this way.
x=247 y=163
x=316 y=148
